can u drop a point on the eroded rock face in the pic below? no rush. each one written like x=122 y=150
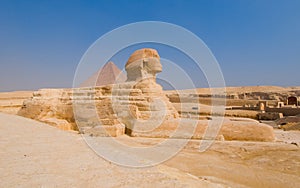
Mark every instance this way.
x=52 y=106
x=89 y=108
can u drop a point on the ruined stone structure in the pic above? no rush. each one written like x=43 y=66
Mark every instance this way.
x=292 y=100
x=262 y=105
x=138 y=107
x=269 y=116
x=280 y=104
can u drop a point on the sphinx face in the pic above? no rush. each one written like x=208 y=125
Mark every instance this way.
x=152 y=65
x=143 y=68
x=143 y=64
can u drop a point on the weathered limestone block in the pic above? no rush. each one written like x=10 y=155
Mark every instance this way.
x=96 y=116
x=230 y=130
x=92 y=107
x=247 y=131
x=52 y=106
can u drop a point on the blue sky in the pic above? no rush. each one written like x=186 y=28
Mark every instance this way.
x=255 y=42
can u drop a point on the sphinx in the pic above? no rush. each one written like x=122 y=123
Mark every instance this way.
x=137 y=107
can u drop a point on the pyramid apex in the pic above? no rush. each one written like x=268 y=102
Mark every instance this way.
x=107 y=74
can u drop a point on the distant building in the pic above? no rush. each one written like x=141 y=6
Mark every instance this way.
x=292 y=100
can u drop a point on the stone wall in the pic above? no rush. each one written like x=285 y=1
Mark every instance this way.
x=269 y=116
x=286 y=111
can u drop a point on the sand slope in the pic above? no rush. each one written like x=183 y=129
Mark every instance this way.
x=33 y=154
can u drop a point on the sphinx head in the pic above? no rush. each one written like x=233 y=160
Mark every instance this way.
x=143 y=64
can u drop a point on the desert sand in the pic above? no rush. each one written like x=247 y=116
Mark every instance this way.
x=37 y=155
x=34 y=154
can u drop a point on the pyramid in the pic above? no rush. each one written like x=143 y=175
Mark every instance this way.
x=108 y=74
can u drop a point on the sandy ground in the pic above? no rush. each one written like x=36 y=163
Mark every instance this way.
x=33 y=154
x=247 y=164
